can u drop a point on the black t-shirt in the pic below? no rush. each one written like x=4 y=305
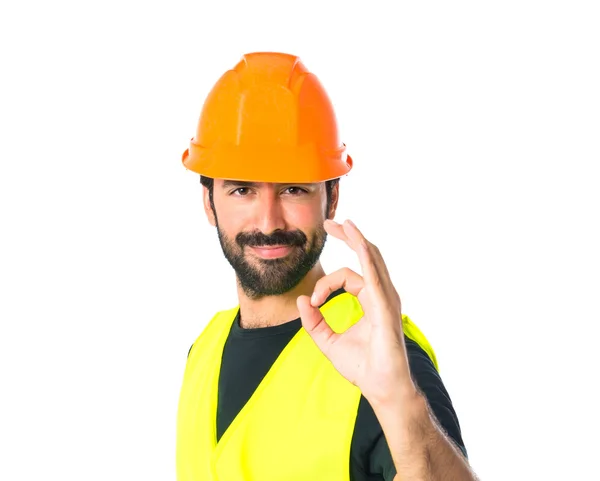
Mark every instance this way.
x=248 y=355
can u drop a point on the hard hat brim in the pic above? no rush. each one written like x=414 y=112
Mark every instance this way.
x=303 y=164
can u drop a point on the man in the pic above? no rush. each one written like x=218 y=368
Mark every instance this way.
x=312 y=376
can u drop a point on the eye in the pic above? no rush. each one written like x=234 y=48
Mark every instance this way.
x=240 y=191
x=294 y=190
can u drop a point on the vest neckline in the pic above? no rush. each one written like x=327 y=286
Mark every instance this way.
x=258 y=332
x=218 y=445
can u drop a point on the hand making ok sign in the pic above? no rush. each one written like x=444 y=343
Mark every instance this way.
x=371 y=354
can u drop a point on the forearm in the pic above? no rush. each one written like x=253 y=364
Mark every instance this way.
x=419 y=448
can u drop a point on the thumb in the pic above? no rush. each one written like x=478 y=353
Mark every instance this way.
x=315 y=324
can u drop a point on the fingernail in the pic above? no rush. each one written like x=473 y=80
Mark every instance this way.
x=313 y=299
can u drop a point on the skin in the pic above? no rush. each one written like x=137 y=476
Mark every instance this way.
x=371 y=354
x=267 y=207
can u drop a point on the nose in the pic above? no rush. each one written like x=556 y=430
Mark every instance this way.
x=269 y=212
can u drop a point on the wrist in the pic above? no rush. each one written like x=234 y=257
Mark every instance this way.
x=404 y=414
x=405 y=395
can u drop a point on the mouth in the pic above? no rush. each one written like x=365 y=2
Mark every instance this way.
x=271 y=252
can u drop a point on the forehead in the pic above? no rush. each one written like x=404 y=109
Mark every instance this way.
x=224 y=183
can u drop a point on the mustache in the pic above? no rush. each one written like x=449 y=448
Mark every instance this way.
x=283 y=238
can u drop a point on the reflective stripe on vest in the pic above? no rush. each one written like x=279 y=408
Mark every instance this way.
x=297 y=425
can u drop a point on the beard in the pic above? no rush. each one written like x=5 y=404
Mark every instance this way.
x=272 y=277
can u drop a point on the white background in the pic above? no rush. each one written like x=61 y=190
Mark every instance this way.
x=474 y=127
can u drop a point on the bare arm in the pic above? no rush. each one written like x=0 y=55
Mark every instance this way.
x=419 y=447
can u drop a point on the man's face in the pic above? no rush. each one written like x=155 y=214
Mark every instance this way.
x=271 y=234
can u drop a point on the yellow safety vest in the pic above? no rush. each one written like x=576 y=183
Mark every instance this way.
x=296 y=426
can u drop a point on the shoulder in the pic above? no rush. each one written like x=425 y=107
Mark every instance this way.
x=418 y=358
x=214 y=323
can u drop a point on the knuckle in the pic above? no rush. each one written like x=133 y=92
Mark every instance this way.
x=364 y=245
x=321 y=284
x=376 y=283
x=347 y=272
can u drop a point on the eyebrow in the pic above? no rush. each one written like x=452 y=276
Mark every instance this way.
x=238 y=183
x=243 y=183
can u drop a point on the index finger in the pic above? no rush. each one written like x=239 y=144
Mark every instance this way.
x=369 y=257
x=344 y=278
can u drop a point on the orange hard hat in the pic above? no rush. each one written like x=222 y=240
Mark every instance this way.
x=268 y=120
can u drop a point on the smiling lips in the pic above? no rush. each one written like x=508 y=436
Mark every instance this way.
x=272 y=252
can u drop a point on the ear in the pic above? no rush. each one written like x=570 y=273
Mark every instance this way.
x=210 y=215
x=335 y=196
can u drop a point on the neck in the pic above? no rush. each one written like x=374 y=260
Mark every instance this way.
x=275 y=310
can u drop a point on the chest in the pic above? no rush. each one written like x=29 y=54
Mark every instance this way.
x=291 y=422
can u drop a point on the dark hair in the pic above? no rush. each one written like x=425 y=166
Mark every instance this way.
x=209 y=183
